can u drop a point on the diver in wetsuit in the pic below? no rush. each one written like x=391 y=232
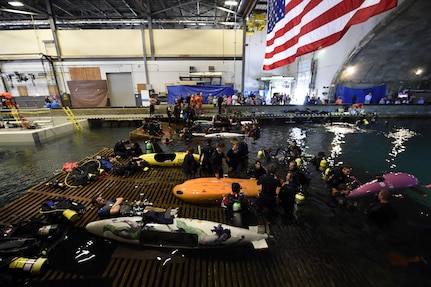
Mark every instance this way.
x=236 y=206
x=382 y=213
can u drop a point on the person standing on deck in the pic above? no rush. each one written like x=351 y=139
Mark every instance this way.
x=219 y=160
x=190 y=166
x=268 y=193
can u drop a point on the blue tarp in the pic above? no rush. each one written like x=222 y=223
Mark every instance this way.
x=175 y=91
x=347 y=94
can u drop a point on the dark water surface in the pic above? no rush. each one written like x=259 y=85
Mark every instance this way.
x=397 y=145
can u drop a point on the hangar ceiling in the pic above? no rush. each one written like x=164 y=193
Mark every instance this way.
x=117 y=14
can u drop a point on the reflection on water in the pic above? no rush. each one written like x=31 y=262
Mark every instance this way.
x=340 y=130
x=400 y=136
x=298 y=135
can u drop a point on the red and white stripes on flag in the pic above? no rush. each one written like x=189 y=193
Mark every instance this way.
x=298 y=27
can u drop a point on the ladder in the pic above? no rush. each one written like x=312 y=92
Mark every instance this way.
x=16 y=115
x=72 y=118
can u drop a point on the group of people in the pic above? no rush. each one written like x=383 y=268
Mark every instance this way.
x=196 y=101
x=286 y=193
x=213 y=160
x=123 y=148
x=189 y=106
x=340 y=181
x=152 y=127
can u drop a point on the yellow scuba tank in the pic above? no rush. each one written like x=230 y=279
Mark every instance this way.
x=32 y=265
x=298 y=161
x=326 y=174
x=71 y=215
x=323 y=164
x=299 y=198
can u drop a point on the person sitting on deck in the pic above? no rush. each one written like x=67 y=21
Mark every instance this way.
x=120 y=148
x=111 y=208
x=135 y=150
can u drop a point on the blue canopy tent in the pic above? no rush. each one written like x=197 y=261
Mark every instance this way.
x=347 y=94
x=175 y=91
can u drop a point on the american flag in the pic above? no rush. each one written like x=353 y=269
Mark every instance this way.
x=298 y=27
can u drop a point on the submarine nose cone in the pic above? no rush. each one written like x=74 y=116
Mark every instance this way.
x=94 y=228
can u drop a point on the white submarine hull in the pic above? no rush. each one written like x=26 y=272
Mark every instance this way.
x=177 y=233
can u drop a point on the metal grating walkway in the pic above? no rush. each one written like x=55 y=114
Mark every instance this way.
x=309 y=254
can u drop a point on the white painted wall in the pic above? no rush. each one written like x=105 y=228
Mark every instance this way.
x=160 y=73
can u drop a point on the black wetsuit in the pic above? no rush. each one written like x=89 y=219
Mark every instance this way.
x=287 y=198
x=268 y=193
x=381 y=214
x=217 y=160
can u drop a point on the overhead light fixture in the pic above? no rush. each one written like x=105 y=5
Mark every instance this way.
x=15 y=3
x=350 y=70
x=231 y=3
x=418 y=72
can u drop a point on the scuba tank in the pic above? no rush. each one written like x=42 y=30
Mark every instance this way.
x=49 y=230
x=237 y=215
x=32 y=265
x=148 y=147
x=299 y=202
x=323 y=164
x=298 y=161
x=71 y=215
x=326 y=175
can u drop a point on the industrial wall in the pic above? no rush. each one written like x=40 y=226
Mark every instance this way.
x=27 y=44
x=174 y=52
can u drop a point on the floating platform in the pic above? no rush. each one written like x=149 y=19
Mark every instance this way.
x=315 y=251
x=38 y=135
